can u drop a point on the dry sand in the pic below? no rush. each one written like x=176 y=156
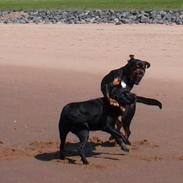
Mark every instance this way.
x=44 y=67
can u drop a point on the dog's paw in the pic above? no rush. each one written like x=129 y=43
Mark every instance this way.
x=160 y=105
x=62 y=156
x=124 y=148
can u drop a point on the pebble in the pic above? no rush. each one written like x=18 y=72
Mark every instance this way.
x=92 y=16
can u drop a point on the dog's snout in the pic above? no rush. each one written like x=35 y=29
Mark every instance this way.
x=141 y=73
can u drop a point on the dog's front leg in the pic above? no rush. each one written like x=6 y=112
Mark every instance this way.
x=119 y=137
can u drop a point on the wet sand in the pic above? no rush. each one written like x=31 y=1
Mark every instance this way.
x=44 y=67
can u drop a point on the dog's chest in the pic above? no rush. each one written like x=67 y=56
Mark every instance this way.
x=125 y=86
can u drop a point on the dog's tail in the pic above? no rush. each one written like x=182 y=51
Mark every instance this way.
x=148 y=101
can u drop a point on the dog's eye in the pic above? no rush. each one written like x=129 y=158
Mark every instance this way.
x=139 y=65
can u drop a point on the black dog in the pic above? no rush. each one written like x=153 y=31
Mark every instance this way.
x=82 y=117
x=79 y=118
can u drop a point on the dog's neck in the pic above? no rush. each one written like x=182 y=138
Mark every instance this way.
x=129 y=81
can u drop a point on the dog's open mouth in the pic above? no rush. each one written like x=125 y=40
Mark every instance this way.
x=138 y=79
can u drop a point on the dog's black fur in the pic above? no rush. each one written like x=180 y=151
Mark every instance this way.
x=97 y=114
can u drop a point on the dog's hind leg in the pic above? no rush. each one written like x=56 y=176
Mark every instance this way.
x=63 y=134
x=62 y=144
x=83 y=136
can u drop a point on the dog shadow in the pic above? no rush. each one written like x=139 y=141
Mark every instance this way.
x=71 y=150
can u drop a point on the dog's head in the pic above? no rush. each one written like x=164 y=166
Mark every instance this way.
x=137 y=69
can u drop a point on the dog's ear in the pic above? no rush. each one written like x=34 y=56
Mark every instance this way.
x=147 y=64
x=132 y=56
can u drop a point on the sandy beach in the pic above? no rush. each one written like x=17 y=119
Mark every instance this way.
x=44 y=67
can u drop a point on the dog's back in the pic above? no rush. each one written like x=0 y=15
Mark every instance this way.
x=82 y=112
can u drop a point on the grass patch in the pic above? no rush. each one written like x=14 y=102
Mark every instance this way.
x=91 y=4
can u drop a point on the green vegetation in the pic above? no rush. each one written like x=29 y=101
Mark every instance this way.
x=91 y=4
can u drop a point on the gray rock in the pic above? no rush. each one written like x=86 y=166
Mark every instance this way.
x=144 y=19
x=95 y=16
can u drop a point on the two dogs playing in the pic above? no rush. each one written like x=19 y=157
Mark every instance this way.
x=103 y=113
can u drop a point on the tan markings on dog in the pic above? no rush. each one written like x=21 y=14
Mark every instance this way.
x=116 y=82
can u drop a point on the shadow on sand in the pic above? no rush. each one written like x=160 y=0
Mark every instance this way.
x=71 y=150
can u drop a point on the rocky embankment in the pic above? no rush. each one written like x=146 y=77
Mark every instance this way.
x=94 y=16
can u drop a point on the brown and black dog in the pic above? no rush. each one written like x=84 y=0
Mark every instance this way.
x=118 y=83
x=116 y=87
